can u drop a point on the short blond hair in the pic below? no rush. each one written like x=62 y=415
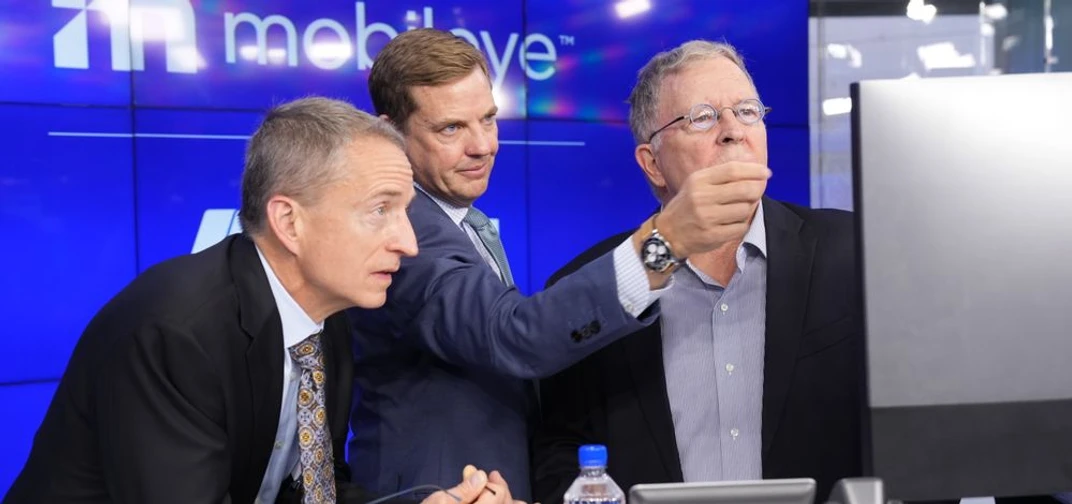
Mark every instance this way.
x=422 y=57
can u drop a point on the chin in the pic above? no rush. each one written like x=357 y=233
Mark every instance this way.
x=371 y=300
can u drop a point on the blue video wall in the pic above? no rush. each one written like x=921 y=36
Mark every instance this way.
x=125 y=124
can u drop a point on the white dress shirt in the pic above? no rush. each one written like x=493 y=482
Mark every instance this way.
x=297 y=325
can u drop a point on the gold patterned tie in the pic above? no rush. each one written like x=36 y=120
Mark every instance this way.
x=314 y=437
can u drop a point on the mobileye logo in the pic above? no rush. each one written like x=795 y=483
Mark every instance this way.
x=324 y=43
x=219 y=223
x=170 y=20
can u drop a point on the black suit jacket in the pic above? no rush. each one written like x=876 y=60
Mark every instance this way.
x=813 y=396
x=173 y=391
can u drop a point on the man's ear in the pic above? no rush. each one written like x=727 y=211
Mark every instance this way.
x=284 y=221
x=645 y=157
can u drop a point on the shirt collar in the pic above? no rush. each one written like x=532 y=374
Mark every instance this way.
x=297 y=325
x=756 y=237
x=757 y=232
x=456 y=213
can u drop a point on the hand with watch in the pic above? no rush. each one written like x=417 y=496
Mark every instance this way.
x=713 y=206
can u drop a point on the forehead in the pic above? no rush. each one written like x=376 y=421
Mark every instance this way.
x=717 y=81
x=375 y=160
x=466 y=96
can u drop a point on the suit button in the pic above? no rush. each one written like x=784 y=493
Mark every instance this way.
x=576 y=335
x=594 y=327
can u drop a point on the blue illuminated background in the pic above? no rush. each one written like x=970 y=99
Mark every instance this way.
x=125 y=124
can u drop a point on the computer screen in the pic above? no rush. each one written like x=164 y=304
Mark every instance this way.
x=965 y=225
x=777 y=491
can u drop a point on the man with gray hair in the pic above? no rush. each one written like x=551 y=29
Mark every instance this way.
x=755 y=368
x=226 y=375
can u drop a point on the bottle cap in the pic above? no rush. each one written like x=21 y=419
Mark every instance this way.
x=592 y=455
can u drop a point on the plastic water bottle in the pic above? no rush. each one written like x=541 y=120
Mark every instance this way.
x=593 y=486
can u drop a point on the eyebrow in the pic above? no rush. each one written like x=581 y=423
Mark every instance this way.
x=390 y=193
x=438 y=125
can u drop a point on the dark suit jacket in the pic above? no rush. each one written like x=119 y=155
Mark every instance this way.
x=173 y=391
x=442 y=369
x=812 y=386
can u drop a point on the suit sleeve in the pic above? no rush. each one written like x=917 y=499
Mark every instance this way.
x=161 y=421
x=448 y=302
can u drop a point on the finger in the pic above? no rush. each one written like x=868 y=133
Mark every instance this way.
x=499 y=491
x=733 y=171
x=468 y=471
x=742 y=191
x=469 y=490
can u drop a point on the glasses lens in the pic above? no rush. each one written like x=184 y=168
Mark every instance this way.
x=750 y=111
x=703 y=116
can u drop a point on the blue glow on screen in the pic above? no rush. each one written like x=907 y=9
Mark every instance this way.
x=67 y=211
x=126 y=124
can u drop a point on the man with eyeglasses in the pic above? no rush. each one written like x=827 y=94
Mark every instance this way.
x=755 y=367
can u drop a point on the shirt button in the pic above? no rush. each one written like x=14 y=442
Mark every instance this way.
x=730 y=368
x=734 y=432
x=278 y=445
x=724 y=307
x=293 y=376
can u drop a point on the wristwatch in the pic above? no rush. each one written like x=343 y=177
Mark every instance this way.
x=656 y=254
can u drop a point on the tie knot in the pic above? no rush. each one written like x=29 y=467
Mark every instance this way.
x=477 y=219
x=307 y=353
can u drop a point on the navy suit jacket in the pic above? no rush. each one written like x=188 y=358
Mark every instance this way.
x=443 y=372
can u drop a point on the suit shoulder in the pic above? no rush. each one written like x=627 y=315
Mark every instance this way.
x=825 y=221
x=177 y=291
x=592 y=253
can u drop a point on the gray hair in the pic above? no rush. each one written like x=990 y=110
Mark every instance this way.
x=644 y=100
x=298 y=150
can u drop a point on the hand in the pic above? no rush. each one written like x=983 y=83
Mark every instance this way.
x=713 y=207
x=476 y=487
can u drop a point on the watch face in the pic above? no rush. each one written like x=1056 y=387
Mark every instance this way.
x=656 y=255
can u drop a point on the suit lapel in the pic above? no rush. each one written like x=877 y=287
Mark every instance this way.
x=339 y=371
x=789 y=261
x=644 y=354
x=264 y=356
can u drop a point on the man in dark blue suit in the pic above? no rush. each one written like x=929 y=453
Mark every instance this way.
x=443 y=371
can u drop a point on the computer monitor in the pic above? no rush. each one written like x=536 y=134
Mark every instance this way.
x=963 y=191
x=777 y=491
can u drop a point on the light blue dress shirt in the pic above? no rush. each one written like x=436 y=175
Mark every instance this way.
x=713 y=348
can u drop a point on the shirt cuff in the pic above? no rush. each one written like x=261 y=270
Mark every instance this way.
x=634 y=291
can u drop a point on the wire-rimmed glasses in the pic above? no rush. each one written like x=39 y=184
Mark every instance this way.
x=703 y=116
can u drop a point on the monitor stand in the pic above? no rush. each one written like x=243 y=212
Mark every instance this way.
x=858 y=491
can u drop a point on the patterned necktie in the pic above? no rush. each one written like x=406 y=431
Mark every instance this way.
x=489 y=236
x=314 y=437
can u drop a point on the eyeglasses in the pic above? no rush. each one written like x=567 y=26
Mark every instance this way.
x=703 y=117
